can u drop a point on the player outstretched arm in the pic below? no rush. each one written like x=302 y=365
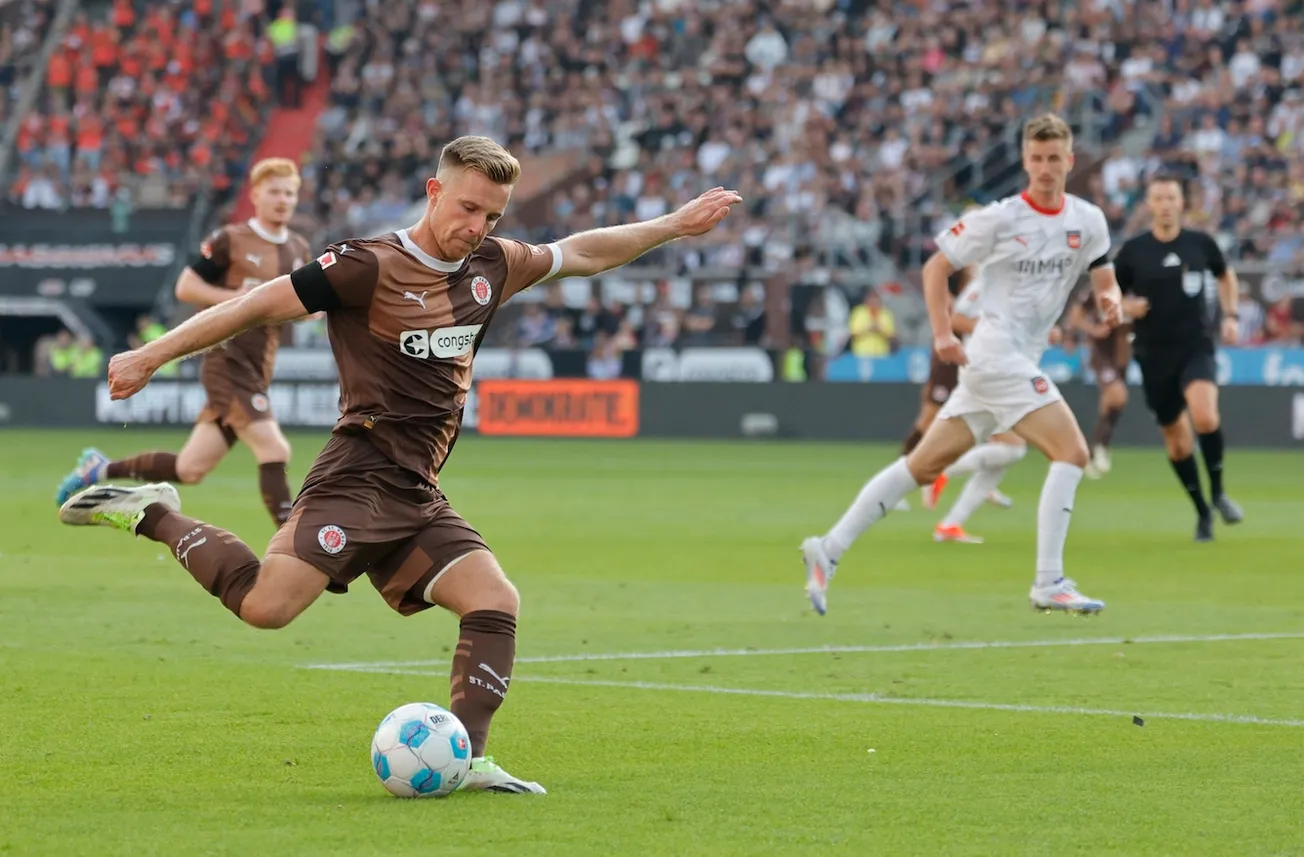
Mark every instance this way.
x=587 y=253
x=273 y=302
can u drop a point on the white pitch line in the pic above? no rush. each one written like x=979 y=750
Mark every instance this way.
x=870 y=698
x=874 y=698
x=821 y=650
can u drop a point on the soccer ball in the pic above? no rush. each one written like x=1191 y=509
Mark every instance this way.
x=421 y=750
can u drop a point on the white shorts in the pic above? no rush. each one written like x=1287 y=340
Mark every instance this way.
x=993 y=402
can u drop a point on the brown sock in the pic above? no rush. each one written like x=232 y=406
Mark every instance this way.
x=1105 y=427
x=219 y=561
x=146 y=467
x=275 y=488
x=912 y=440
x=482 y=668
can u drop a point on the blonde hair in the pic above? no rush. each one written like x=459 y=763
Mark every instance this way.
x=1047 y=127
x=482 y=155
x=273 y=168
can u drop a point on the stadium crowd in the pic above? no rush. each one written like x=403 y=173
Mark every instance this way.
x=146 y=105
x=22 y=25
x=847 y=118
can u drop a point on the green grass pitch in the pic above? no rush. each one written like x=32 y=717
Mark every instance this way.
x=138 y=717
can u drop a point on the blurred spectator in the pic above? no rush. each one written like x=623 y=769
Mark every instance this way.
x=535 y=327
x=604 y=362
x=872 y=327
x=53 y=355
x=1282 y=325
x=701 y=320
x=748 y=320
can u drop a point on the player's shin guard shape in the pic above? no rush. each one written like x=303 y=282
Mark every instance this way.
x=216 y=559
x=879 y=495
x=482 y=669
x=1054 y=512
x=1211 y=450
x=146 y=467
x=275 y=488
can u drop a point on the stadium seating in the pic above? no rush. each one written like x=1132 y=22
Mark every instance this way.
x=152 y=103
x=22 y=25
x=856 y=128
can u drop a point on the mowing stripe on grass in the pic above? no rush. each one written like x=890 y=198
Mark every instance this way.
x=820 y=650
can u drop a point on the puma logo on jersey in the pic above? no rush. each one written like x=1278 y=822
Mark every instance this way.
x=421 y=298
x=253 y=259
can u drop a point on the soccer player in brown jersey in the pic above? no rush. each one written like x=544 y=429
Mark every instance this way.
x=1111 y=352
x=406 y=312
x=237 y=374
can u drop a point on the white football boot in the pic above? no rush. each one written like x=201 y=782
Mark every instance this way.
x=117 y=506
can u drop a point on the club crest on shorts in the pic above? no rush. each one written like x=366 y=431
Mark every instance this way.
x=1075 y=239
x=326 y=260
x=332 y=539
x=481 y=291
x=259 y=403
x=1040 y=384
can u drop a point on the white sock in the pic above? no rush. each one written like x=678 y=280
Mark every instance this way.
x=1004 y=454
x=987 y=456
x=970 y=462
x=876 y=499
x=1053 y=513
x=975 y=492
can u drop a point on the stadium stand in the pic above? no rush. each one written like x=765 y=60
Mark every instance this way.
x=154 y=102
x=22 y=26
x=855 y=131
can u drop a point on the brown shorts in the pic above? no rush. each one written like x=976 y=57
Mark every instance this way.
x=232 y=406
x=1109 y=360
x=942 y=380
x=359 y=513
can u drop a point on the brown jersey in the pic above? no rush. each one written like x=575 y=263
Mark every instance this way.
x=404 y=328
x=237 y=256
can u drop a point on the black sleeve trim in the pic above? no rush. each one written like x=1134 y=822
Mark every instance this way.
x=1103 y=260
x=314 y=290
x=208 y=270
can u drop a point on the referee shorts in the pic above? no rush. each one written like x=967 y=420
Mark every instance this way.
x=1165 y=375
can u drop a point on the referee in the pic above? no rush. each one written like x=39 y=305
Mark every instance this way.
x=1177 y=281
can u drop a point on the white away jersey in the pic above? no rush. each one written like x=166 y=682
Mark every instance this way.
x=969 y=302
x=1029 y=259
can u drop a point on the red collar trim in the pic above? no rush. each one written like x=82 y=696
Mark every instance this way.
x=1049 y=212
